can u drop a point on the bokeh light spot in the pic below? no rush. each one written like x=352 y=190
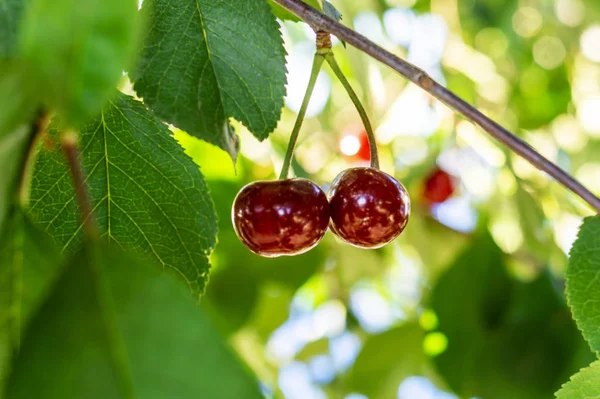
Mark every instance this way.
x=569 y=12
x=435 y=343
x=549 y=52
x=428 y=320
x=349 y=145
x=590 y=43
x=527 y=21
x=589 y=115
x=568 y=134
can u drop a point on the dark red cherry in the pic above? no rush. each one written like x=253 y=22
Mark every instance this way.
x=281 y=217
x=439 y=186
x=369 y=208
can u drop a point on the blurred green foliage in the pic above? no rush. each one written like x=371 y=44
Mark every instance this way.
x=506 y=338
x=469 y=299
x=140 y=332
x=501 y=325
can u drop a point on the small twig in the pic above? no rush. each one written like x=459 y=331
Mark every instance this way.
x=69 y=145
x=320 y=22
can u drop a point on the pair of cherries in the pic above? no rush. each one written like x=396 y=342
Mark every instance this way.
x=365 y=207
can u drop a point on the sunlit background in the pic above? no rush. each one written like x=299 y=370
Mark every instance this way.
x=340 y=322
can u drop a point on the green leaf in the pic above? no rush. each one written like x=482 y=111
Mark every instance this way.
x=334 y=13
x=284 y=14
x=204 y=61
x=116 y=328
x=583 y=385
x=386 y=359
x=76 y=51
x=147 y=194
x=583 y=281
x=10 y=18
x=506 y=339
x=331 y=11
x=29 y=263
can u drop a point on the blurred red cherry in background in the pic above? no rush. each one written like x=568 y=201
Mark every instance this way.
x=439 y=186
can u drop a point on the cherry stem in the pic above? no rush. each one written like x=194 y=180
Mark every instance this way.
x=69 y=143
x=317 y=63
x=359 y=107
x=321 y=22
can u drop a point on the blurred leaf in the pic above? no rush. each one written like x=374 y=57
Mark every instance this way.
x=312 y=349
x=147 y=194
x=331 y=11
x=114 y=327
x=476 y=15
x=506 y=339
x=17 y=101
x=76 y=50
x=461 y=85
x=477 y=284
x=583 y=286
x=284 y=14
x=334 y=13
x=355 y=264
x=540 y=95
x=17 y=106
x=205 y=61
x=272 y=309
x=216 y=164
x=230 y=298
x=28 y=265
x=592 y=9
x=537 y=234
x=583 y=385
x=10 y=18
x=12 y=149
x=231 y=253
x=422 y=231
x=542 y=337
x=386 y=359
x=422 y=6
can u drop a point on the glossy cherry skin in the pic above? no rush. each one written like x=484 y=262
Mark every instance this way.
x=282 y=217
x=439 y=186
x=369 y=208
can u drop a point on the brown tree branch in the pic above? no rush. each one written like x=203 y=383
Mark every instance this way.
x=319 y=21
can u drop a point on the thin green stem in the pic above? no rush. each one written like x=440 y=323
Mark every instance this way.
x=359 y=107
x=317 y=63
